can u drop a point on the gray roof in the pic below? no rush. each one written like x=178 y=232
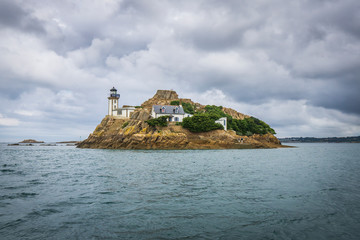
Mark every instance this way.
x=169 y=109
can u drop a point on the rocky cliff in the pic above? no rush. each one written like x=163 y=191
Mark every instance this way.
x=135 y=133
x=162 y=97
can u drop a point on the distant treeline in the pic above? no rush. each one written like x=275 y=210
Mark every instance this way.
x=329 y=139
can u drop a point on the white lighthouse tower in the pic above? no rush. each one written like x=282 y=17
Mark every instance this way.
x=113 y=102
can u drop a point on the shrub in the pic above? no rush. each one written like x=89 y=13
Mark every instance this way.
x=247 y=126
x=200 y=123
x=188 y=108
x=177 y=103
x=215 y=111
x=160 y=121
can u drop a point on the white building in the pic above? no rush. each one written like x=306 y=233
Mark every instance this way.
x=222 y=121
x=175 y=113
x=113 y=106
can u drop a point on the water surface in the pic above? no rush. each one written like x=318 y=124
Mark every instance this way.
x=59 y=192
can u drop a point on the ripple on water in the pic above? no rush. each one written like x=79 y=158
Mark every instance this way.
x=7 y=170
x=42 y=213
x=35 y=182
x=9 y=165
x=12 y=223
x=12 y=172
x=18 y=195
x=15 y=187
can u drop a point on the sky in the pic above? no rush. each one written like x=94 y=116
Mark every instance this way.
x=293 y=64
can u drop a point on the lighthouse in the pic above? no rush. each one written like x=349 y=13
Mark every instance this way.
x=113 y=102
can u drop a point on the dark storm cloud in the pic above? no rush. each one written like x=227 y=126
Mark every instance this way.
x=337 y=95
x=343 y=15
x=13 y=16
x=313 y=40
x=295 y=61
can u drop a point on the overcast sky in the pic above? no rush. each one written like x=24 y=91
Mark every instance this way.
x=294 y=64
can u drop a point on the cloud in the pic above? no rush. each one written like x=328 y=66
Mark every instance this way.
x=10 y=122
x=291 y=118
x=294 y=64
x=27 y=113
x=14 y=16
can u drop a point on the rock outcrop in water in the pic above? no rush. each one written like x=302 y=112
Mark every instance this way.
x=135 y=133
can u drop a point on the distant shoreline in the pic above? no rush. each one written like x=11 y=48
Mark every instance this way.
x=320 y=140
x=31 y=142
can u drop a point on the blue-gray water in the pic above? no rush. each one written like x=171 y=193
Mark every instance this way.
x=60 y=192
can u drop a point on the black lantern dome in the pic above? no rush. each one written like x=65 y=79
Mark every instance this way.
x=113 y=93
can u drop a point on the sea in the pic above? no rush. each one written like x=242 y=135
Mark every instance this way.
x=311 y=191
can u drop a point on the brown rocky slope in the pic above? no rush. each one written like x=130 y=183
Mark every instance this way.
x=135 y=133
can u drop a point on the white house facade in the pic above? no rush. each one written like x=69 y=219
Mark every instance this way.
x=113 y=106
x=175 y=113
x=125 y=112
x=223 y=122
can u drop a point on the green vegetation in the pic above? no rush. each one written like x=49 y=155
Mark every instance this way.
x=203 y=122
x=175 y=103
x=200 y=122
x=215 y=112
x=160 y=121
x=125 y=124
x=188 y=108
x=249 y=126
x=138 y=107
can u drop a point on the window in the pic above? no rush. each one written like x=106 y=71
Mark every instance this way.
x=176 y=110
x=176 y=119
x=163 y=109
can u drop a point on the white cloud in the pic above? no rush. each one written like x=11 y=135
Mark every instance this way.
x=9 y=122
x=293 y=64
x=28 y=113
x=290 y=118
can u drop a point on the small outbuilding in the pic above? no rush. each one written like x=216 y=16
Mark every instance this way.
x=223 y=122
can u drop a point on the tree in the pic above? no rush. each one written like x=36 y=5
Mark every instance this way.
x=188 y=108
x=200 y=123
x=176 y=103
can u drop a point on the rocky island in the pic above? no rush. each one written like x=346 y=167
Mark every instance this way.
x=166 y=121
x=31 y=141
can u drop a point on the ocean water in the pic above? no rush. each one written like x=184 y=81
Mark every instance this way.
x=60 y=192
